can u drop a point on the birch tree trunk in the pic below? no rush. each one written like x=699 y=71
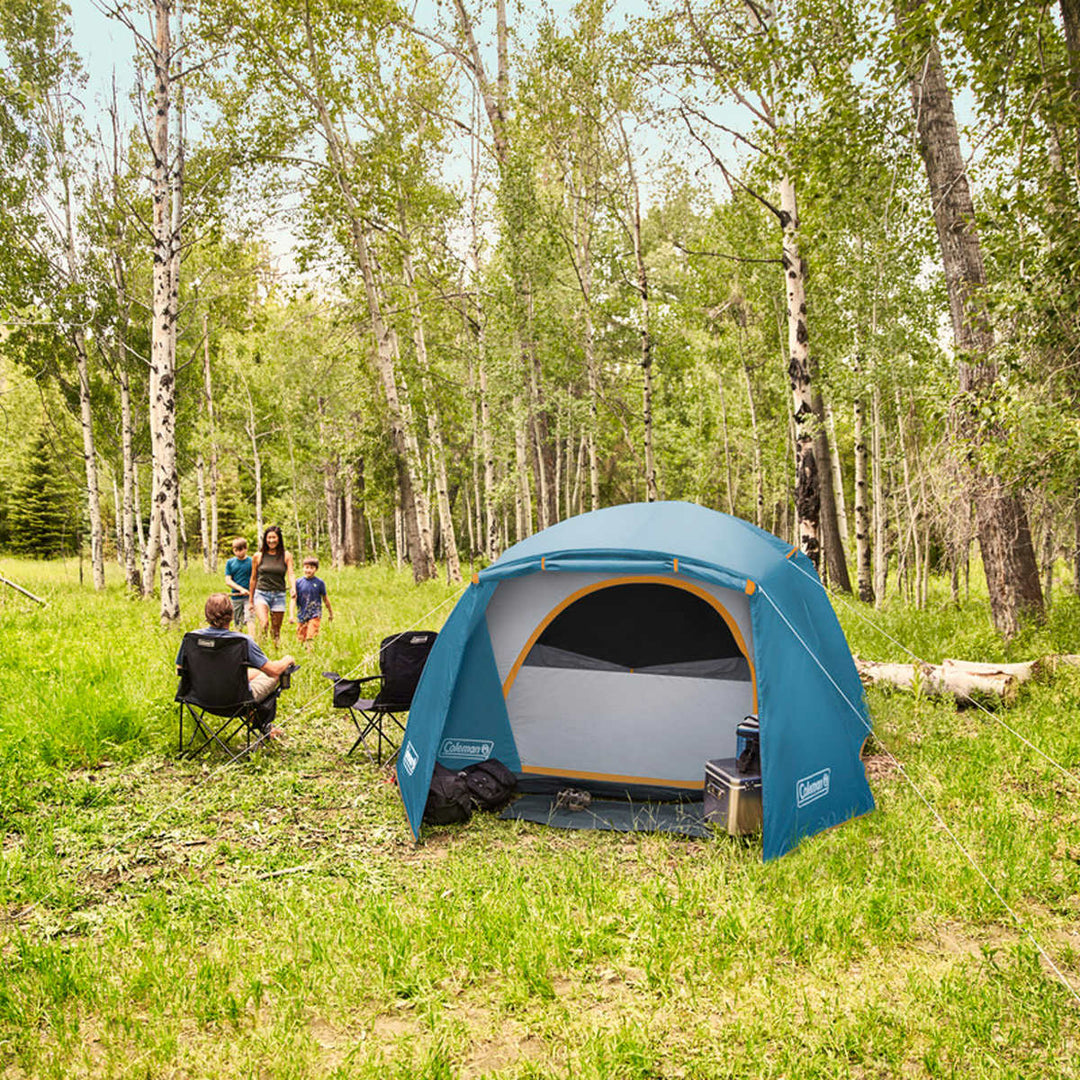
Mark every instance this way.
x=807 y=471
x=208 y=390
x=759 y=470
x=522 y=505
x=446 y=521
x=633 y=213
x=491 y=526
x=251 y=430
x=911 y=538
x=330 y=499
x=837 y=476
x=730 y=485
x=58 y=138
x=164 y=510
x=93 y=496
x=137 y=505
x=204 y=524
x=880 y=505
x=1012 y=573
x=86 y=416
x=402 y=437
x=496 y=105
x=129 y=506
x=117 y=515
x=864 y=567
x=152 y=548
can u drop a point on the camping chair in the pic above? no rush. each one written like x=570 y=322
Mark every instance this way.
x=401 y=660
x=215 y=693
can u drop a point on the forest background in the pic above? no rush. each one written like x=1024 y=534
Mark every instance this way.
x=414 y=283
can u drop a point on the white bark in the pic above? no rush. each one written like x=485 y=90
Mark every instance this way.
x=208 y=390
x=864 y=567
x=807 y=482
x=838 y=477
x=93 y=496
x=204 y=525
x=402 y=434
x=759 y=469
x=446 y=521
x=131 y=510
x=881 y=510
x=522 y=504
x=165 y=511
x=633 y=222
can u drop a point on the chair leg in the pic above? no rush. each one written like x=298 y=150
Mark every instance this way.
x=222 y=735
x=361 y=732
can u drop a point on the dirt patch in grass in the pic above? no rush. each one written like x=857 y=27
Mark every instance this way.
x=880 y=766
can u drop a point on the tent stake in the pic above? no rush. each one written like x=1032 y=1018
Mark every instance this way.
x=19 y=588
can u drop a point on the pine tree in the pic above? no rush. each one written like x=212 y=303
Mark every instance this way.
x=43 y=519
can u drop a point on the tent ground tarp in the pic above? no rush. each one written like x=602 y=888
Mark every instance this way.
x=681 y=818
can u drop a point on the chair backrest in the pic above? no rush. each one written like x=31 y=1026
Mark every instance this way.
x=213 y=671
x=401 y=660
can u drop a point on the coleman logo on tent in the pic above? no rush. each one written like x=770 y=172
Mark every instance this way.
x=410 y=758
x=814 y=786
x=477 y=749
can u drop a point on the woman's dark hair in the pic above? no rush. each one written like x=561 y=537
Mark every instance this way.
x=219 y=610
x=280 y=540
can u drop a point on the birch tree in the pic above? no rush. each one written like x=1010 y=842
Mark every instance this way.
x=1001 y=521
x=738 y=48
x=38 y=43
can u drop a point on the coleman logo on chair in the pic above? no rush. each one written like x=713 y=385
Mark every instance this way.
x=477 y=749
x=812 y=787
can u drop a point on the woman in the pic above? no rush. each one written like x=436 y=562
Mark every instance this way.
x=272 y=581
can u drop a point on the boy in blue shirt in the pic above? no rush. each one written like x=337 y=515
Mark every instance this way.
x=310 y=595
x=238 y=578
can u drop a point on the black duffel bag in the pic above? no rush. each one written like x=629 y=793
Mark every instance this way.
x=491 y=784
x=448 y=798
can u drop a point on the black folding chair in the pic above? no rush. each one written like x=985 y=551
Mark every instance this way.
x=401 y=660
x=215 y=694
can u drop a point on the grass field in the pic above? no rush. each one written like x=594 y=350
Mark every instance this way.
x=163 y=918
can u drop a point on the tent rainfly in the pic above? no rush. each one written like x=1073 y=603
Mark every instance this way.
x=618 y=650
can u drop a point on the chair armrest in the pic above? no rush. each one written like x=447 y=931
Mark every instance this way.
x=285 y=678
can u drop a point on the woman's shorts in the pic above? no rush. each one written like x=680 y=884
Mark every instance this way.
x=239 y=609
x=275 y=601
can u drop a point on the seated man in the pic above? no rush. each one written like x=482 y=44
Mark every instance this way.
x=263 y=673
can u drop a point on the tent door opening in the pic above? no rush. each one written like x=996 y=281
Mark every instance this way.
x=631 y=685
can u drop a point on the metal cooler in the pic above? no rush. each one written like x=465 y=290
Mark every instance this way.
x=732 y=798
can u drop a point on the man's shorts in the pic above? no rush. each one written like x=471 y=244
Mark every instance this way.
x=307 y=630
x=239 y=609
x=275 y=601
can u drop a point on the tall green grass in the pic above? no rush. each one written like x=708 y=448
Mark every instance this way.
x=165 y=918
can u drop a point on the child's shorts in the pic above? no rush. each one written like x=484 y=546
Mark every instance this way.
x=239 y=609
x=307 y=630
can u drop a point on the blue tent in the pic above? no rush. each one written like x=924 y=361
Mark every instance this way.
x=623 y=646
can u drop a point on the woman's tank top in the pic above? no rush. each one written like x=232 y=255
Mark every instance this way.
x=271 y=573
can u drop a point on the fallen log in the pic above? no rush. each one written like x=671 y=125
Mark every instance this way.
x=964 y=680
x=956 y=678
x=19 y=588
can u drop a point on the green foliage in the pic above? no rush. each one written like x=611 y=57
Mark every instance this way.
x=43 y=518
